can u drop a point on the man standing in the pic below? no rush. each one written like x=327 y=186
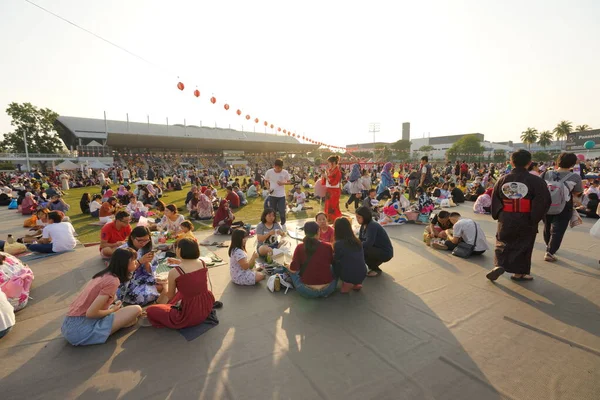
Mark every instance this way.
x=276 y=178
x=425 y=169
x=519 y=202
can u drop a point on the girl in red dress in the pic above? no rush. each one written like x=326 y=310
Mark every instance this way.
x=332 y=183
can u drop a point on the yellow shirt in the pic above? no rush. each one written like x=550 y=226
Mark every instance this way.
x=188 y=235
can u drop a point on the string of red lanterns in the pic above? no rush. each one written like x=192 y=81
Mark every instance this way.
x=213 y=100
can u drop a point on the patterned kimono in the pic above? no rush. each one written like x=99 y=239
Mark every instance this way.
x=332 y=202
x=140 y=289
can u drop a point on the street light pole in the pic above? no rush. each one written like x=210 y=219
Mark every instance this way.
x=26 y=152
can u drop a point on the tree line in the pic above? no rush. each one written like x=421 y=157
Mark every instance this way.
x=544 y=138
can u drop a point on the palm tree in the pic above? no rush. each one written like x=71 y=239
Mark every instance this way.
x=545 y=139
x=582 y=128
x=529 y=136
x=563 y=129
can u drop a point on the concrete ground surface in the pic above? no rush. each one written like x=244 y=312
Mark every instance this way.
x=431 y=327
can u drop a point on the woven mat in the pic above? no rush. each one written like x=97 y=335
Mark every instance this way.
x=163 y=267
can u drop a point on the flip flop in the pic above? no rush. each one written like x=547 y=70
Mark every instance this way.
x=222 y=245
x=377 y=273
x=495 y=273
x=521 y=278
x=217 y=304
x=216 y=259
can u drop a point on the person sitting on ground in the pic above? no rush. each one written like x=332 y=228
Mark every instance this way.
x=464 y=230
x=189 y=302
x=84 y=203
x=192 y=204
x=108 y=210
x=483 y=204
x=28 y=205
x=114 y=234
x=299 y=199
x=171 y=221
x=326 y=233
x=223 y=222
x=372 y=203
x=462 y=186
x=591 y=209
x=58 y=204
x=40 y=223
x=375 y=241
x=187 y=231
x=268 y=232
x=348 y=256
x=136 y=208
x=240 y=268
x=241 y=195
x=458 y=195
x=424 y=205
x=107 y=193
x=7 y=315
x=95 y=205
x=438 y=224
x=92 y=317
x=142 y=288
x=475 y=191
x=310 y=270
x=57 y=236
x=204 y=209
x=253 y=190
x=232 y=198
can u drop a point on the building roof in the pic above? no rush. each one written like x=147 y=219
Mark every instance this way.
x=135 y=135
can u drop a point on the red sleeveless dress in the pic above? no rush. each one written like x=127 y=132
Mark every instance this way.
x=196 y=302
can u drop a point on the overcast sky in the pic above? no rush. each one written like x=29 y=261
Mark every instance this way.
x=323 y=68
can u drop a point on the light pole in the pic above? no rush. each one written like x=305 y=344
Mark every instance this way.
x=26 y=152
x=374 y=128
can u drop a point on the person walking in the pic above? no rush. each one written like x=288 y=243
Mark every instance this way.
x=276 y=178
x=519 y=202
x=569 y=185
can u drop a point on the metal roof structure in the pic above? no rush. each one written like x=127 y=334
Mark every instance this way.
x=117 y=134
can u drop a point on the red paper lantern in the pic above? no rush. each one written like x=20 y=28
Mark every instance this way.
x=247 y=116
x=239 y=112
x=213 y=100
x=226 y=106
x=197 y=93
x=256 y=120
x=266 y=123
x=180 y=86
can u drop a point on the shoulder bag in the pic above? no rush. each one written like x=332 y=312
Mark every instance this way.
x=463 y=249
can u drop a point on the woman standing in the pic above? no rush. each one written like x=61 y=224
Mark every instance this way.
x=375 y=242
x=141 y=288
x=310 y=270
x=356 y=187
x=93 y=317
x=189 y=300
x=332 y=183
x=348 y=256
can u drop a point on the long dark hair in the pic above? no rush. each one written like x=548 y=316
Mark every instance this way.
x=343 y=231
x=237 y=240
x=366 y=215
x=119 y=264
x=311 y=243
x=138 y=232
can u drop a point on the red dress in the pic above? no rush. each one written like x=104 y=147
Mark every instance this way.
x=332 y=202
x=196 y=302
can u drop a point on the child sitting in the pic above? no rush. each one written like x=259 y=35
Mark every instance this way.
x=240 y=267
x=187 y=229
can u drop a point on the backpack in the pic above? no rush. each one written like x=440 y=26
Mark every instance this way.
x=559 y=194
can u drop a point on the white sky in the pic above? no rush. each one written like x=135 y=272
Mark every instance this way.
x=325 y=68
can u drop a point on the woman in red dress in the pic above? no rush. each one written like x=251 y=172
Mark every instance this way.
x=189 y=300
x=332 y=183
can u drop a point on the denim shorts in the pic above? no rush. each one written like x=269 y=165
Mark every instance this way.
x=83 y=331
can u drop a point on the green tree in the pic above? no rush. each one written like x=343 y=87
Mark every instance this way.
x=37 y=124
x=542 y=156
x=563 y=129
x=402 y=148
x=582 y=128
x=545 y=139
x=466 y=148
x=529 y=136
x=426 y=149
x=499 y=156
x=383 y=153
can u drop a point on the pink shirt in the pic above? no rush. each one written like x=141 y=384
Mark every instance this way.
x=107 y=285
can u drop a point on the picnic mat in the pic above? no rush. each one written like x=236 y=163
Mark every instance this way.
x=193 y=332
x=205 y=253
x=30 y=256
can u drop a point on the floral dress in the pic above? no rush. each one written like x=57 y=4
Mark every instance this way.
x=140 y=289
x=171 y=226
x=240 y=276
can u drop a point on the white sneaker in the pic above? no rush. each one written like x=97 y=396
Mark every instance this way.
x=283 y=228
x=550 y=257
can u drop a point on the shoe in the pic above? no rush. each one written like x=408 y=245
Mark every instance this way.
x=217 y=304
x=346 y=287
x=439 y=246
x=284 y=228
x=495 y=273
x=357 y=287
x=550 y=257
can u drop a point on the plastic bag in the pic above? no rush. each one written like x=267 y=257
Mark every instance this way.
x=595 y=231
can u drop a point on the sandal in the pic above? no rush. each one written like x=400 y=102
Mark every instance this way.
x=217 y=304
x=495 y=273
x=373 y=274
x=222 y=245
x=522 y=278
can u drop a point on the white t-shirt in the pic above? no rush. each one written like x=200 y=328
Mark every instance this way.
x=273 y=177
x=7 y=313
x=95 y=206
x=299 y=198
x=62 y=235
x=126 y=174
x=465 y=229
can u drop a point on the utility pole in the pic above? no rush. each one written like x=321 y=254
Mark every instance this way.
x=374 y=128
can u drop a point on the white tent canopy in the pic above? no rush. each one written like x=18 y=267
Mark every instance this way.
x=67 y=165
x=98 y=165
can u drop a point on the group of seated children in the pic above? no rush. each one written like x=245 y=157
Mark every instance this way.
x=325 y=255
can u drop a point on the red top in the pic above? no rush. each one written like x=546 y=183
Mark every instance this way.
x=327 y=236
x=233 y=199
x=110 y=233
x=334 y=177
x=318 y=270
x=464 y=167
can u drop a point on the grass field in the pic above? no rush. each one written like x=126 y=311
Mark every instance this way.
x=249 y=213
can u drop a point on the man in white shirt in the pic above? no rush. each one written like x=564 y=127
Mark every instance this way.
x=126 y=175
x=465 y=230
x=57 y=236
x=276 y=178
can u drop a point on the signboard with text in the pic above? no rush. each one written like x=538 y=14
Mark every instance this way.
x=576 y=140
